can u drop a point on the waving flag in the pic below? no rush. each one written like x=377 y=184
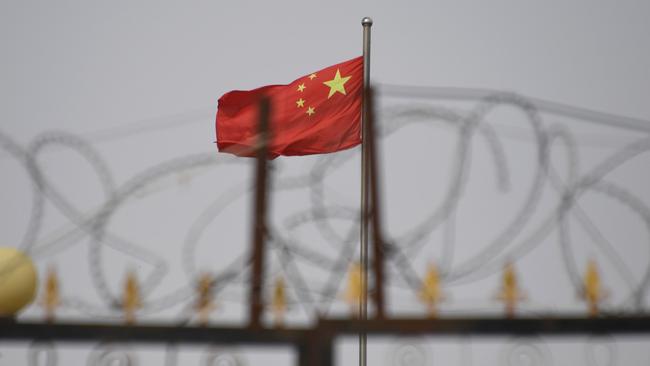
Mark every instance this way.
x=317 y=113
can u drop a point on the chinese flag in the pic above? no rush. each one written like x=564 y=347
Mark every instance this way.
x=317 y=113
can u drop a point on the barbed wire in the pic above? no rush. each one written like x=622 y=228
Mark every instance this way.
x=401 y=249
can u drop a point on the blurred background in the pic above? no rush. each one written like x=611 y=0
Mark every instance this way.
x=509 y=133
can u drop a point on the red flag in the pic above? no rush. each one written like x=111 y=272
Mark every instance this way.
x=317 y=113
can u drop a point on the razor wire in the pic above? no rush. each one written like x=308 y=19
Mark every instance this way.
x=401 y=249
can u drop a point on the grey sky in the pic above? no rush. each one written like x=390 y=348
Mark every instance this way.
x=98 y=69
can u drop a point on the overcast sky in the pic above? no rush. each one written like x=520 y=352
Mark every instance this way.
x=100 y=69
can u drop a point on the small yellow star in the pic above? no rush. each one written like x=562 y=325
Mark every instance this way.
x=312 y=76
x=337 y=84
x=300 y=102
x=301 y=87
x=310 y=111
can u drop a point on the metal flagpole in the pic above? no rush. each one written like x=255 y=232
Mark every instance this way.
x=363 y=301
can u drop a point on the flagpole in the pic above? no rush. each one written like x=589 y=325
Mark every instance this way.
x=366 y=22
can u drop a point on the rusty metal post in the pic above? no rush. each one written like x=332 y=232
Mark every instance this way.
x=259 y=217
x=378 y=244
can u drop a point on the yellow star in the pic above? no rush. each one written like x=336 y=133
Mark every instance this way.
x=300 y=102
x=301 y=87
x=312 y=76
x=310 y=111
x=337 y=84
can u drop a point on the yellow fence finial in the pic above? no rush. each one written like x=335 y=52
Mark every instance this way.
x=510 y=293
x=593 y=292
x=354 y=291
x=131 y=301
x=51 y=297
x=205 y=298
x=431 y=292
x=279 y=302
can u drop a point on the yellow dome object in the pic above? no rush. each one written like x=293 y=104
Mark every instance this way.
x=18 y=281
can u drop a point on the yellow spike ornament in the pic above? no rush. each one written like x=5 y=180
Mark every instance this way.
x=431 y=292
x=279 y=302
x=204 y=302
x=131 y=299
x=354 y=290
x=593 y=292
x=51 y=297
x=510 y=293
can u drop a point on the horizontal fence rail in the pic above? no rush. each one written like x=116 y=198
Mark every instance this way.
x=314 y=345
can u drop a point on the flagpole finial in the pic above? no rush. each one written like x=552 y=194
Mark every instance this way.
x=366 y=21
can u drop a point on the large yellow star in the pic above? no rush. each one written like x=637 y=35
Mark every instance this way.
x=337 y=84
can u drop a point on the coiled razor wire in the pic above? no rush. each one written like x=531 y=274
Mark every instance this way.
x=401 y=248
